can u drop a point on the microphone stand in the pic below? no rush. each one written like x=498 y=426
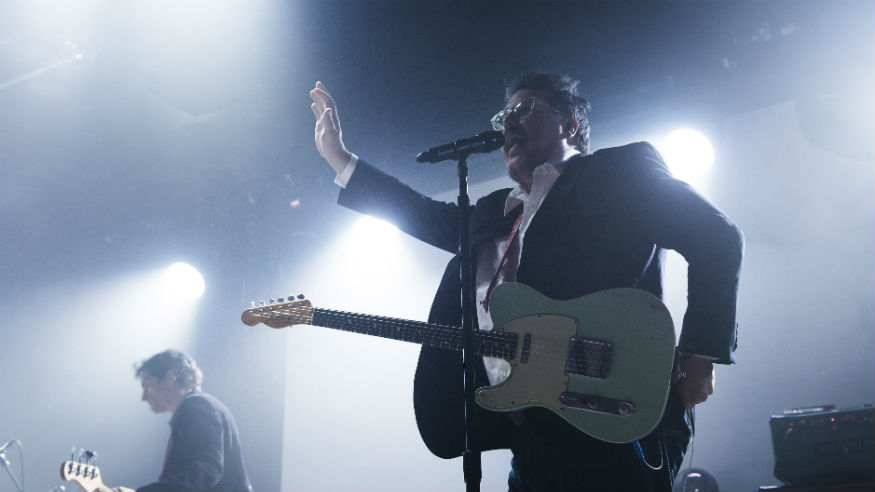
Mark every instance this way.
x=460 y=150
x=471 y=465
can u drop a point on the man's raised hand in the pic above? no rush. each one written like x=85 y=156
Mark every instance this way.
x=329 y=137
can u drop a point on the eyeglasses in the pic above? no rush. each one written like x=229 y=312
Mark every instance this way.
x=521 y=110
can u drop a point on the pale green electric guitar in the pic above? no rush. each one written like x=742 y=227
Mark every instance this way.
x=602 y=362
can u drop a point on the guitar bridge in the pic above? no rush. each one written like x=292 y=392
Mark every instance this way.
x=598 y=404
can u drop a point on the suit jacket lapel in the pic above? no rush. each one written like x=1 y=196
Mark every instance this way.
x=555 y=204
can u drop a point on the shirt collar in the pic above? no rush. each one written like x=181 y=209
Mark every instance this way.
x=550 y=169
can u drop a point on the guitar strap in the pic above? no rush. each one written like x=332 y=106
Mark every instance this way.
x=507 y=247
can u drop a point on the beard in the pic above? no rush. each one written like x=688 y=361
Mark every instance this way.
x=521 y=173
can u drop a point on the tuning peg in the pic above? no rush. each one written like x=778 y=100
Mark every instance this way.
x=252 y=304
x=261 y=303
x=90 y=455
x=272 y=301
x=300 y=296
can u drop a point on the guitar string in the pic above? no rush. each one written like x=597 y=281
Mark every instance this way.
x=452 y=335
x=362 y=321
x=492 y=343
x=554 y=351
x=437 y=335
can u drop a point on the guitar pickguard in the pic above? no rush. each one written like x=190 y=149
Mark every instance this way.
x=617 y=396
x=531 y=383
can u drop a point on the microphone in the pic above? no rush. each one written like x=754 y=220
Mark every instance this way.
x=482 y=142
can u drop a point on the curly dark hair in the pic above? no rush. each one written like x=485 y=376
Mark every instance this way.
x=188 y=374
x=561 y=93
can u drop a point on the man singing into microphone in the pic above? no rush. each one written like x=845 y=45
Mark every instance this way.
x=584 y=222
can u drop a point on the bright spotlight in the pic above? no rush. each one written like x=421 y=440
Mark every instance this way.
x=688 y=154
x=370 y=236
x=374 y=229
x=184 y=281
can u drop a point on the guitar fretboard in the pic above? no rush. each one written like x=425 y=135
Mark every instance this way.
x=486 y=343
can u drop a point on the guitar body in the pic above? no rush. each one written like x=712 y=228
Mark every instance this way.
x=439 y=400
x=639 y=330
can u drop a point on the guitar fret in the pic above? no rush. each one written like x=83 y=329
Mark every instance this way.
x=493 y=344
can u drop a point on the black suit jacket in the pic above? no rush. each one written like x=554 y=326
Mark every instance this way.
x=204 y=449
x=603 y=225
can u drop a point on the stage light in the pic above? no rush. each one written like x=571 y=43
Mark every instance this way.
x=184 y=281
x=371 y=267
x=688 y=153
x=373 y=240
x=372 y=229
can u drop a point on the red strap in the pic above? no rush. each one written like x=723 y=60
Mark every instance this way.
x=494 y=282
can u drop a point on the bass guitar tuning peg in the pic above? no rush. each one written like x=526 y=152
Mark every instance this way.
x=89 y=456
x=300 y=296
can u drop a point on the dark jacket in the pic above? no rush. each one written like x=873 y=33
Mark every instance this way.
x=204 y=451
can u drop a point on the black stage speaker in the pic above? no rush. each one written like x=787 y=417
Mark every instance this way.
x=822 y=445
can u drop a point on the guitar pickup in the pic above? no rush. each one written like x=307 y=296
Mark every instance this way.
x=598 y=404
x=587 y=357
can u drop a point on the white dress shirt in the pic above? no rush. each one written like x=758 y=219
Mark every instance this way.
x=490 y=253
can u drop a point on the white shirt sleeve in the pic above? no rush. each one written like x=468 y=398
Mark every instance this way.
x=343 y=176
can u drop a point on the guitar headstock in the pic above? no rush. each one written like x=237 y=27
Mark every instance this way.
x=86 y=476
x=279 y=314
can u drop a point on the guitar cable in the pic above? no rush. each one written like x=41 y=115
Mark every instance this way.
x=692 y=416
x=639 y=451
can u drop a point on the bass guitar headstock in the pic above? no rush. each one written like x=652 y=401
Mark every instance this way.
x=86 y=476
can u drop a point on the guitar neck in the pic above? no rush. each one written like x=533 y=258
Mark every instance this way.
x=486 y=343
